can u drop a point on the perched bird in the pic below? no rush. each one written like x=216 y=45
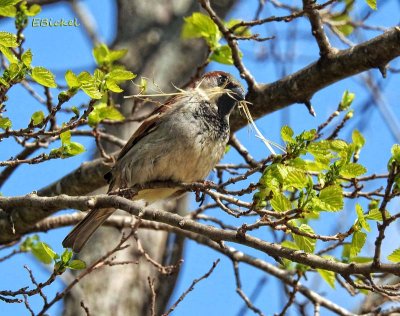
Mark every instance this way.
x=181 y=141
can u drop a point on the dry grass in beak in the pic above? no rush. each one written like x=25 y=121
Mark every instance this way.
x=212 y=92
x=243 y=106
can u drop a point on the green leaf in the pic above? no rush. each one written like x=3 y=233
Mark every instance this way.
x=223 y=55
x=289 y=244
x=305 y=243
x=347 y=100
x=201 y=25
x=280 y=203
x=358 y=139
x=328 y=276
x=27 y=58
x=371 y=4
x=44 y=77
x=121 y=75
x=8 y=39
x=8 y=54
x=376 y=215
x=361 y=259
x=72 y=80
x=66 y=256
x=331 y=198
x=352 y=170
x=4 y=83
x=72 y=149
x=9 y=11
x=113 y=86
x=5 y=123
x=28 y=243
x=241 y=30
x=287 y=134
x=101 y=112
x=396 y=152
x=65 y=137
x=5 y=3
x=296 y=179
x=116 y=54
x=361 y=218
x=100 y=53
x=394 y=256
x=43 y=252
x=88 y=85
x=68 y=150
x=357 y=243
x=33 y=10
x=37 y=117
x=77 y=265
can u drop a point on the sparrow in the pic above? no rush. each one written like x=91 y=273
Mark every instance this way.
x=181 y=141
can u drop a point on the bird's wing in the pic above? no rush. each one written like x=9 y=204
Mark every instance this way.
x=149 y=125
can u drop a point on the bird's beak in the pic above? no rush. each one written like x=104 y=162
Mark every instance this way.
x=238 y=93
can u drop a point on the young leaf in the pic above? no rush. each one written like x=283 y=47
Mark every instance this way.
x=113 y=86
x=116 y=54
x=296 y=179
x=223 y=55
x=72 y=80
x=44 y=77
x=65 y=137
x=66 y=256
x=77 y=265
x=347 y=100
x=8 y=39
x=371 y=4
x=375 y=215
x=241 y=30
x=396 y=152
x=72 y=149
x=28 y=243
x=201 y=25
x=33 y=10
x=331 y=198
x=100 y=53
x=101 y=112
x=5 y=3
x=121 y=75
x=280 y=203
x=361 y=218
x=5 y=123
x=306 y=244
x=357 y=243
x=37 y=117
x=43 y=252
x=9 y=11
x=394 y=256
x=287 y=134
x=289 y=244
x=352 y=170
x=8 y=54
x=358 y=139
x=27 y=58
x=88 y=85
x=328 y=276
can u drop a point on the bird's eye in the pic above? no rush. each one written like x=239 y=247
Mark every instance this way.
x=222 y=80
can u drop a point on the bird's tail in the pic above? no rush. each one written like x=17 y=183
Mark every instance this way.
x=81 y=233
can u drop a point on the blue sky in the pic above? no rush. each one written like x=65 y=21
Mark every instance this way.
x=62 y=48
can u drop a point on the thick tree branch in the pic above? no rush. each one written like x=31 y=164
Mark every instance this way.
x=52 y=204
x=266 y=98
x=302 y=85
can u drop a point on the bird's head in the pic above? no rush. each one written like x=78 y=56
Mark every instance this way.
x=221 y=88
